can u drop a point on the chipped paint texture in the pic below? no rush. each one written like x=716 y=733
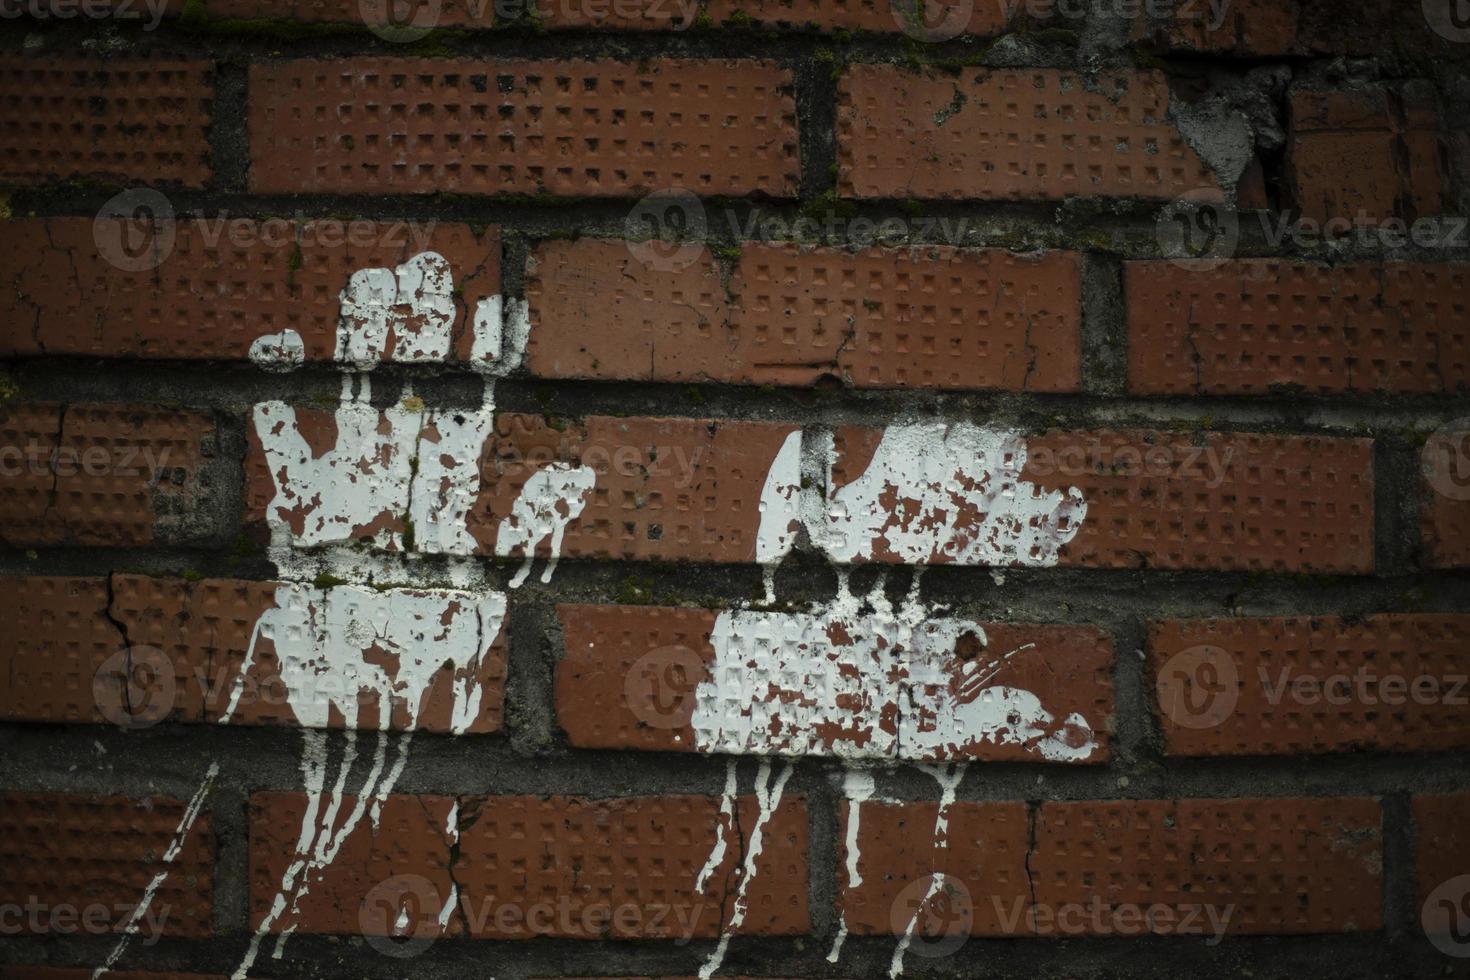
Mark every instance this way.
x=279 y=352
x=552 y=498
x=863 y=680
x=942 y=493
x=404 y=314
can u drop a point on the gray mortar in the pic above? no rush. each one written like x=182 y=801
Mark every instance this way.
x=533 y=757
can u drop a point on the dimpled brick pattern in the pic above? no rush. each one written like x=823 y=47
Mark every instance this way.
x=1370 y=153
x=628 y=677
x=410 y=836
x=1286 y=865
x=1441 y=840
x=667 y=489
x=1010 y=134
x=642 y=853
x=934 y=317
x=113 y=120
x=984 y=859
x=1251 y=325
x=1254 y=28
x=1444 y=500
x=1269 y=655
x=220 y=285
x=78 y=850
x=619 y=15
x=588 y=128
x=944 y=17
x=454 y=14
x=54 y=637
x=1266 y=503
x=125 y=475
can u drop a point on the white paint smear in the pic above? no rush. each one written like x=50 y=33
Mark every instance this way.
x=949 y=779
x=404 y=314
x=181 y=833
x=279 y=352
x=933 y=492
x=552 y=498
x=858 y=787
x=866 y=681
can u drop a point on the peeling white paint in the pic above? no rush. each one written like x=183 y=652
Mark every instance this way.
x=279 y=352
x=780 y=510
x=949 y=779
x=176 y=844
x=500 y=331
x=932 y=492
x=552 y=498
x=858 y=787
x=768 y=799
x=863 y=680
x=723 y=830
x=404 y=314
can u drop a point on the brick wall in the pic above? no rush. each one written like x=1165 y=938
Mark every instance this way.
x=657 y=488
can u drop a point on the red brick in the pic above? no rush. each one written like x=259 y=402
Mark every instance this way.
x=1215 y=501
x=54 y=638
x=15 y=972
x=1372 y=152
x=1249 y=326
x=618 y=15
x=1010 y=134
x=1247 y=668
x=110 y=120
x=631 y=677
x=982 y=857
x=187 y=643
x=220 y=285
x=1445 y=499
x=400 y=21
x=1286 y=866
x=942 y=18
x=667 y=489
x=587 y=128
x=934 y=317
x=644 y=854
x=92 y=850
x=1441 y=841
x=122 y=474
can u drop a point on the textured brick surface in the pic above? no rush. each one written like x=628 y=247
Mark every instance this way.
x=1268 y=686
x=631 y=677
x=1245 y=28
x=54 y=638
x=982 y=856
x=942 y=18
x=1285 y=865
x=1250 y=326
x=789 y=315
x=588 y=128
x=220 y=285
x=1010 y=135
x=1441 y=840
x=1373 y=152
x=111 y=475
x=1445 y=498
x=109 y=120
x=15 y=972
x=409 y=18
x=564 y=856
x=61 y=850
